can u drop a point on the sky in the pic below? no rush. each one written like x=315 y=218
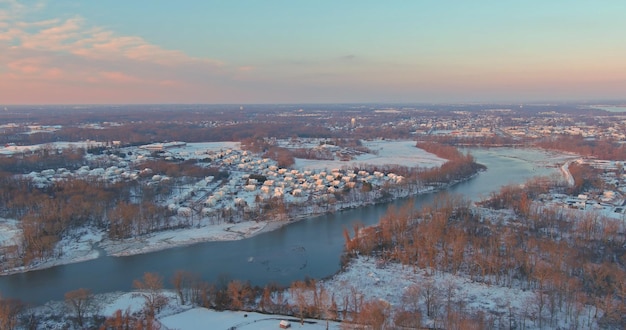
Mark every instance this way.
x=317 y=51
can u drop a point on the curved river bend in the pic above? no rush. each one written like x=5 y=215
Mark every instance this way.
x=307 y=248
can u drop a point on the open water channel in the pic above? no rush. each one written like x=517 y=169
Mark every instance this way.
x=307 y=248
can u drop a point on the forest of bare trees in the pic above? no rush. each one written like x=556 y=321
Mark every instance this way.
x=596 y=148
x=457 y=167
x=570 y=261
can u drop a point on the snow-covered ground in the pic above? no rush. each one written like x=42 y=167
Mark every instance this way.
x=385 y=153
x=550 y=157
x=10 y=233
x=178 y=237
x=202 y=318
x=390 y=282
x=175 y=316
x=195 y=150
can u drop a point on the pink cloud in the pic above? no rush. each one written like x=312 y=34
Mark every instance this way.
x=246 y=68
x=120 y=77
x=25 y=66
x=38 y=23
x=170 y=83
x=53 y=73
x=69 y=61
x=73 y=36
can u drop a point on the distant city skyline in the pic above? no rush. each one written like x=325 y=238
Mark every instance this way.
x=108 y=52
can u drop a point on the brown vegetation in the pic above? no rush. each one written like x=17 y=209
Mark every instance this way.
x=51 y=211
x=597 y=148
x=566 y=260
x=80 y=302
x=10 y=310
x=457 y=166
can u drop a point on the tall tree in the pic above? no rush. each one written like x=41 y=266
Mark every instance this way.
x=80 y=301
x=10 y=310
x=151 y=289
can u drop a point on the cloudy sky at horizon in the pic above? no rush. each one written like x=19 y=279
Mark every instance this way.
x=273 y=51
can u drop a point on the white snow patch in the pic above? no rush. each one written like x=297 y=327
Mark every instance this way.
x=202 y=318
x=178 y=237
x=390 y=153
x=10 y=233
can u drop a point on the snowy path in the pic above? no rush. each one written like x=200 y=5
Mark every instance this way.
x=565 y=170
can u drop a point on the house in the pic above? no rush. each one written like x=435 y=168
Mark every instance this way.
x=284 y=324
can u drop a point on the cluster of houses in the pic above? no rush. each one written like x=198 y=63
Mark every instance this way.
x=611 y=201
x=253 y=181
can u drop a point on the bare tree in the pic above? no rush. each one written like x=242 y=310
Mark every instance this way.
x=234 y=290
x=407 y=319
x=411 y=298
x=151 y=289
x=183 y=282
x=430 y=293
x=80 y=301
x=298 y=292
x=10 y=309
x=374 y=313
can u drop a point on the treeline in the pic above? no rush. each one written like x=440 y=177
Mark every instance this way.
x=457 y=167
x=598 y=148
x=301 y=299
x=131 y=133
x=586 y=178
x=574 y=262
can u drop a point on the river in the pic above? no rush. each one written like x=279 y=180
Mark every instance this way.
x=307 y=248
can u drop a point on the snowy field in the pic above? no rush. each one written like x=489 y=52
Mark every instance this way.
x=10 y=234
x=550 y=158
x=202 y=318
x=176 y=317
x=201 y=148
x=389 y=153
x=392 y=280
x=389 y=283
